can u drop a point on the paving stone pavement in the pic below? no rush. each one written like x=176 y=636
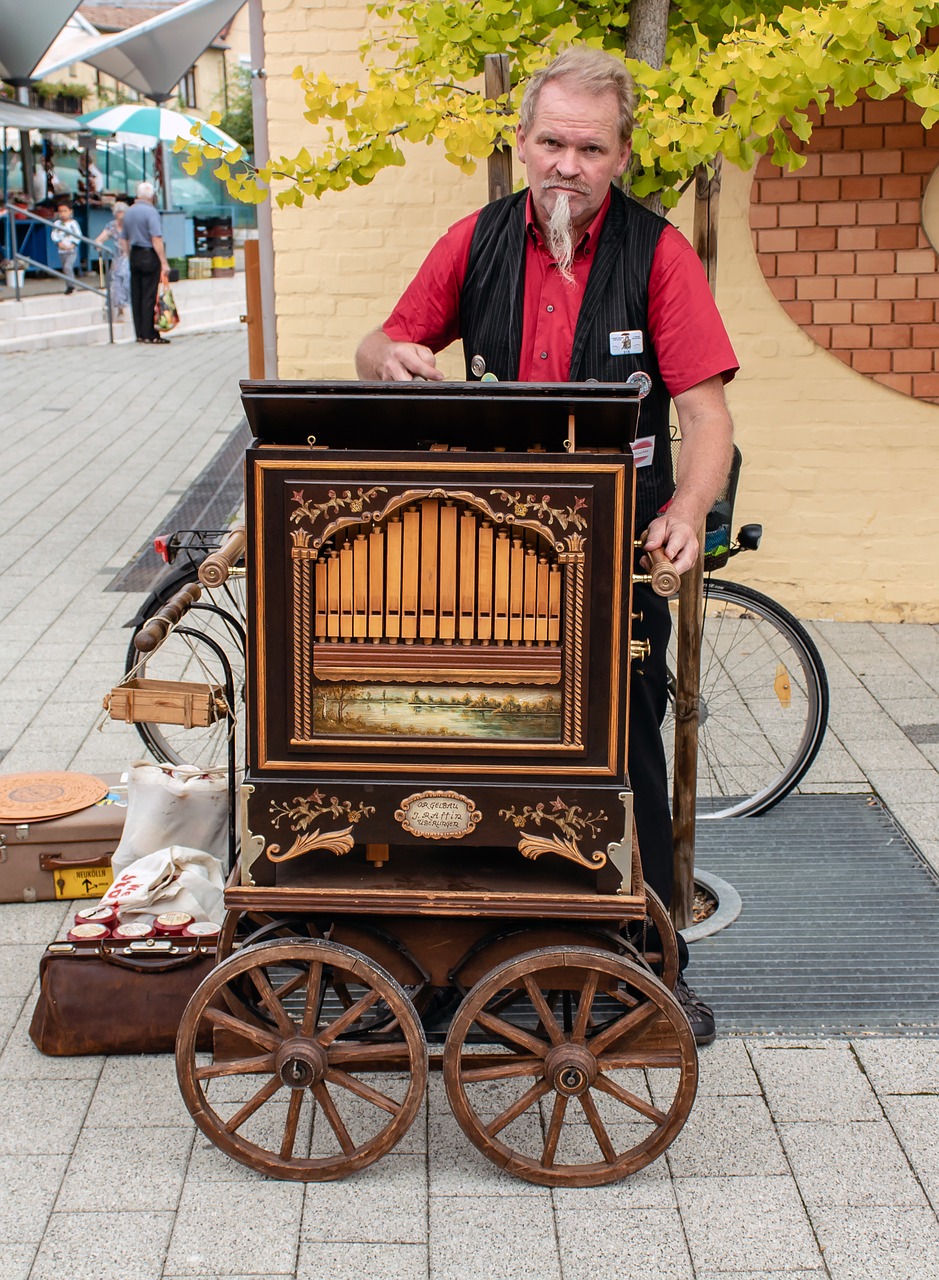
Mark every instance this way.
x=801 y=1159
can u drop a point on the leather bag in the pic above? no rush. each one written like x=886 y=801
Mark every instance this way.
x=117 y=998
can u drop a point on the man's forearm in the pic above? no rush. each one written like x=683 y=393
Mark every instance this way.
x=161 y=252
x=703 y=463
x=704 y=459
x=371 y=354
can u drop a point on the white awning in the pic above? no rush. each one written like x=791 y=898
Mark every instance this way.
x=13 y=115
x=77 y=35
x=153 y=56
x=27 y=31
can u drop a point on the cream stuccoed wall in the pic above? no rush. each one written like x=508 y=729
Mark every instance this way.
x=842 y=473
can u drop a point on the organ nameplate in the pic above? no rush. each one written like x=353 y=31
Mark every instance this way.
x=438 y=815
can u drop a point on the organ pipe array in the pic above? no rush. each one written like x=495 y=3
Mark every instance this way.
x=437 y=572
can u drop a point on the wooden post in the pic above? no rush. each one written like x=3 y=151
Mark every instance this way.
x=690 y=612
x=499 y=82
x=252 y=315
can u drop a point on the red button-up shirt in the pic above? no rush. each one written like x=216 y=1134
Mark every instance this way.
x=684 y=323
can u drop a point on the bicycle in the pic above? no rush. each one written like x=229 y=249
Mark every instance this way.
x=213 y=636
x=763 y=701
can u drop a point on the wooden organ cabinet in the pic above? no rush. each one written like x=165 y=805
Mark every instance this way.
x=440 y=582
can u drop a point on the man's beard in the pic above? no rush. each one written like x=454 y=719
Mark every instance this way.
x=559 y=233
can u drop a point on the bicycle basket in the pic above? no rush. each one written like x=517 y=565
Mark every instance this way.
x=717 y=526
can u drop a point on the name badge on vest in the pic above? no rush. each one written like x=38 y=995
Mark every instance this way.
x=626 y=342
x=643 y=451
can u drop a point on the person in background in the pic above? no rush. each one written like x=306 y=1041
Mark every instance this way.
x=46 y=182
x=90 y=178
x=120 y=263
x=66 y=238
x=142 y=239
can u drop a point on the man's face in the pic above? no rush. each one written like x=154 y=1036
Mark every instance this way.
x=573 y=145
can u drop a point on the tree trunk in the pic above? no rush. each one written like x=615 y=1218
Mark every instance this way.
x=647 y=30
x=645 y=41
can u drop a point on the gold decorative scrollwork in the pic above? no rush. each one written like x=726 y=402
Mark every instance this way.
x=337 y=842
x=302 y=811
x=530 y=505
x=534 y=846
x=570 y=820
x=304 y=509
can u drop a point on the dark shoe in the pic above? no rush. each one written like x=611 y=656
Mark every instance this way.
x=700 y=1015
x=69 y=290
x=162 y=342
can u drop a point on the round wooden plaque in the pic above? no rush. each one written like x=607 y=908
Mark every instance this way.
x=30 y=797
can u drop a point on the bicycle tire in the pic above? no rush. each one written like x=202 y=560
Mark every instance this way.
x=220 y=613
x=763 y=703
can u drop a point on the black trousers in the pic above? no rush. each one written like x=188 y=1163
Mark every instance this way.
x=648 y=772
x=144 y=283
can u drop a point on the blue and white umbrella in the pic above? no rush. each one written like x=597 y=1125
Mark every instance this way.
x=142 y=126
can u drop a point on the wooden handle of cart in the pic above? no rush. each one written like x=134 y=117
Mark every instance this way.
x=215 y=568
x=665 y=581
x=155 y=629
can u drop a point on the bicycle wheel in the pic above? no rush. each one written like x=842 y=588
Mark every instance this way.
x=763 y=702
x=219 y=616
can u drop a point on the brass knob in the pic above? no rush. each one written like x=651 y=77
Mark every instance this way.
x=641 y=577
x=639 y=649
x=637 y=617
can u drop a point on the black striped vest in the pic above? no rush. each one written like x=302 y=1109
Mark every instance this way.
x=616 y=298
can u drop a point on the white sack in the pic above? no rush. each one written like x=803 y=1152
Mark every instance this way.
x=173 y=804
x=171 y=879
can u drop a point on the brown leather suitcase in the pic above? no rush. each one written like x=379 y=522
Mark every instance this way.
x=113 y=998
x=66 y=857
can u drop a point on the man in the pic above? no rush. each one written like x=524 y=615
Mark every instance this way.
x=571 y=281
x=143 y=241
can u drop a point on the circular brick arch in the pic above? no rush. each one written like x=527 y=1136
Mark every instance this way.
x=842 y=246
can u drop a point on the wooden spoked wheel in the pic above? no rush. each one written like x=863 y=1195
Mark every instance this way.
x=299 y=1096
x=245 y=928
x=248 y=928
x=589 y=1074
x=664 y=959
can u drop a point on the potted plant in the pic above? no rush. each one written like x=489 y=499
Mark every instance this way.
x=15 y=271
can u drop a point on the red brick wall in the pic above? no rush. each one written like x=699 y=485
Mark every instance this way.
x=842 y=246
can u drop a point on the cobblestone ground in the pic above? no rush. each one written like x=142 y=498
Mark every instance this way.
x=801 y=1159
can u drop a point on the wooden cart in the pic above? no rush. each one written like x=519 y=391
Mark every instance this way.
x=437 y=858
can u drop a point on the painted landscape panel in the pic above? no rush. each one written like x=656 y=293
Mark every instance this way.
x=524 y=713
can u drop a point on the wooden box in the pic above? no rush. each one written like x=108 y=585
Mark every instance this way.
x=186 y=703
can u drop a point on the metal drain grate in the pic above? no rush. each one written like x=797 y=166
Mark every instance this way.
x=839 y=924
x=210 y=502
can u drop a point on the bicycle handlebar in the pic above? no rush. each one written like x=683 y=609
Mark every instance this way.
x=155 y=630
x=215 y=568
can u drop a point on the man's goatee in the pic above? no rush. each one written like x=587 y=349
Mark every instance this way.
x=560 y=236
